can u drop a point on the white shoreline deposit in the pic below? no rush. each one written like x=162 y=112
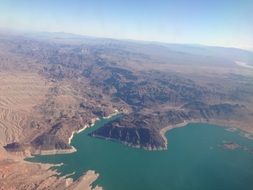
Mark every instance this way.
x=164 y=130
x=85 y=181
x=93 y=121
x=72 y=149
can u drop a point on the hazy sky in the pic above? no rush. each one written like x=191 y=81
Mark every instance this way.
x=213 y=22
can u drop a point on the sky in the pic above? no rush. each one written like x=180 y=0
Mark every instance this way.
x=210 y=22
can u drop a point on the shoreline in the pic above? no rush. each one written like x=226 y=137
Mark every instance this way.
x=164 y=130
x=72 y=149
x=229 y=126
x=54 y=151
x=93 y=121
x=130 y=144
x=86 y=180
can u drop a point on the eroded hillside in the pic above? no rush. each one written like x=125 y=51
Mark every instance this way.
x=51 y=87
x=88 y=80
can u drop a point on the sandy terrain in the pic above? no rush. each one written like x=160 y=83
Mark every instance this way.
x=16 y=174
x=84 y=183
x=19 y=93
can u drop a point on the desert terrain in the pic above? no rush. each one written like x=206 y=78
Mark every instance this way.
x=51 y=87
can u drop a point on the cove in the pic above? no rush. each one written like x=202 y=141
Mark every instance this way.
x=195 y=160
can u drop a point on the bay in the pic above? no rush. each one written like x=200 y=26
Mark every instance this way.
x=195 y=160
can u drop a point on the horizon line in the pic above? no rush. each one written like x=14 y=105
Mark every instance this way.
x=23 y=31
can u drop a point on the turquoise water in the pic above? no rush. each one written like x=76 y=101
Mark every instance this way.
x=195 y=160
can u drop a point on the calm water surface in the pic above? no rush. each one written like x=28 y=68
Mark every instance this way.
x=195 y=160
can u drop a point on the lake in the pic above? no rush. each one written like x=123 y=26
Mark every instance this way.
x=195 y=160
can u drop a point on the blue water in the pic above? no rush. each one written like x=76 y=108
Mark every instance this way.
x=195 y=160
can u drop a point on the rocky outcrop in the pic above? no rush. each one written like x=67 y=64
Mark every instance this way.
x=148 y=138
x=141 y=130
x=223 y=111
x=13 y=147
x=50 y=140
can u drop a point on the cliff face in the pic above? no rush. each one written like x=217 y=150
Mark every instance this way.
x=136 y=136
